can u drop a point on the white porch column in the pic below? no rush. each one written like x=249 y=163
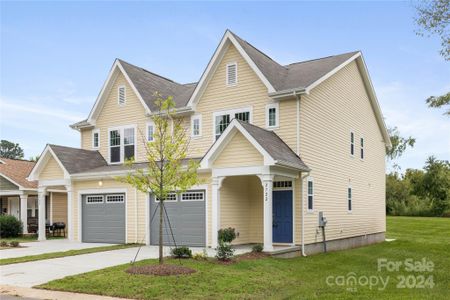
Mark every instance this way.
x=216 y=185
x=70 y=229
x=41 y=205
x=24 y=212
x=267 y=182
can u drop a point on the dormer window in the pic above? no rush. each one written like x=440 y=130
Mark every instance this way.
x=231 y=74
x=121 y=95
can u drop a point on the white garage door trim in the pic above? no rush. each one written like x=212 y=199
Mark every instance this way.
x=195 y=187
x=81 y=193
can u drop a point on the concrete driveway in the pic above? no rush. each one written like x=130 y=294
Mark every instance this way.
x=35 y=248
x=38 y=272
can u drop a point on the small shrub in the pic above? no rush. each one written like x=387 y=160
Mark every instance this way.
x=201 y=256
x=182 y=252
x=257 y=248
x=224 y=251
x=3 y=244
x=10 y=226
x=14 y=244
x=227 y=234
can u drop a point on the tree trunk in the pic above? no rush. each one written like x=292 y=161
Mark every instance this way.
x=161 y=215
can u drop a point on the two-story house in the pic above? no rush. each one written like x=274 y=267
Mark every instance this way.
x=278 y=145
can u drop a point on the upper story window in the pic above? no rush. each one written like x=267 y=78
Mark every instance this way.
x=150 y=132
x=231 y=74
x=96 y=138
x=349 y=198
x=121 y=95
x=121 y=144
x=223 y=119
x=196 y=125
x=352 y=143
x=272 y=115
x=310 y=191
x=362 y=148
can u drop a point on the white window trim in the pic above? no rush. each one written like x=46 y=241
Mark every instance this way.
x=193 y=200
x=115 y=202
x=226 y=78
x=93 y=133
x=350 y=199
x=354 y=148
x=121 y=130
x=90 y=196
x=310 y=179
x=363 y=147
x=199 y=118
x=176 y=198
x=124 y=95
x=230 y=112
x=277 y=115
x=146 y=129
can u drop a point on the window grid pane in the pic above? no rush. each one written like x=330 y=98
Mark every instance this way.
x=170 y=197
x=192 y=196
x=128 y=136
x=115 y=199
x=114 y=138
x=243 y=116
x=94 y=199
x=222 y=123
x=272 y=116
x=150 y=133
x=196 y=127
x=96 y=139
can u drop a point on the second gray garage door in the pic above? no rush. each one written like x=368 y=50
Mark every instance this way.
x=187 y=217
x=103 y=218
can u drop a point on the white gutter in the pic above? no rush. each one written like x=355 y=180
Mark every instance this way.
x=303 y=216
x=288 y=93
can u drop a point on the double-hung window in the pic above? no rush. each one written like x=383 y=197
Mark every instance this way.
x=150 y=132
x=196 y=125
x=96 y=138
x=272 y=115
x=362 y=148
x=122 y=144
x=310 y=191
x=352 y=143
x=222 y=120
x=349 y=198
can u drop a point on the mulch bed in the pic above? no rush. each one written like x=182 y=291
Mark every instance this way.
x=161 y=270
x=242 y=257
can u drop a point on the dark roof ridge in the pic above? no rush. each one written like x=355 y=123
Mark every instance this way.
x=150 y=72
x=315 y=59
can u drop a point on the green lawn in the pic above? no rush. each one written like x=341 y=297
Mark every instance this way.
x=302 y=278
x=15 y=260
x=28 y=238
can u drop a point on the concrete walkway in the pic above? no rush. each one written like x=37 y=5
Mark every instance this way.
x=36 y=248
x=19 y=293
x=38 y=272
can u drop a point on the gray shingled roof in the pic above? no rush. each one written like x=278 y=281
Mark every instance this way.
x=147 y=83
x=275 y=146
x=77 y=160
x=296 y=75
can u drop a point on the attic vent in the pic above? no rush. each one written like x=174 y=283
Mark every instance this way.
x=121 y=95
x=232 y=74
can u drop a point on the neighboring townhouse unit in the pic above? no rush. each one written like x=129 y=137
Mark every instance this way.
x=277 y=145
x=18 y=196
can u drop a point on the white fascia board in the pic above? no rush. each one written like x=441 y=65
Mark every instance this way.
x=331 y=73
x=12 y=181
x=107 y=87
x=214 y=62
x=225 y=138
x=45 y=156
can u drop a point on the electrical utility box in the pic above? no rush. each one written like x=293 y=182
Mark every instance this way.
x=322 y=219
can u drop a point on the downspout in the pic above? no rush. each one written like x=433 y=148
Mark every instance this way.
x=136 y=213
x=303 y=215
x=298 y=124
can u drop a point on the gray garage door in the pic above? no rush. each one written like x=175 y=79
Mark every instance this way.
x=186 y=213
x=103 y=218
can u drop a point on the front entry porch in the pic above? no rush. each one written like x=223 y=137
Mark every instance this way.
x=261 y=207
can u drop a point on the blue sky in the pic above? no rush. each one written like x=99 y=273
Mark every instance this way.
x=55 y=57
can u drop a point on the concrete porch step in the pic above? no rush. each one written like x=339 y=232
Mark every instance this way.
x=286 y=252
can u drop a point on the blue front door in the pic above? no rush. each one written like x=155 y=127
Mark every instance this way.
x=282 y=217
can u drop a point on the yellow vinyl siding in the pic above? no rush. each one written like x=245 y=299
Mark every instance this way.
x=59 y=207
x=239 y=152
x=132 y=235
x=328 y=114
x=113 y=115
x=52 y=170
x=241 y=207
x=249 y=92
